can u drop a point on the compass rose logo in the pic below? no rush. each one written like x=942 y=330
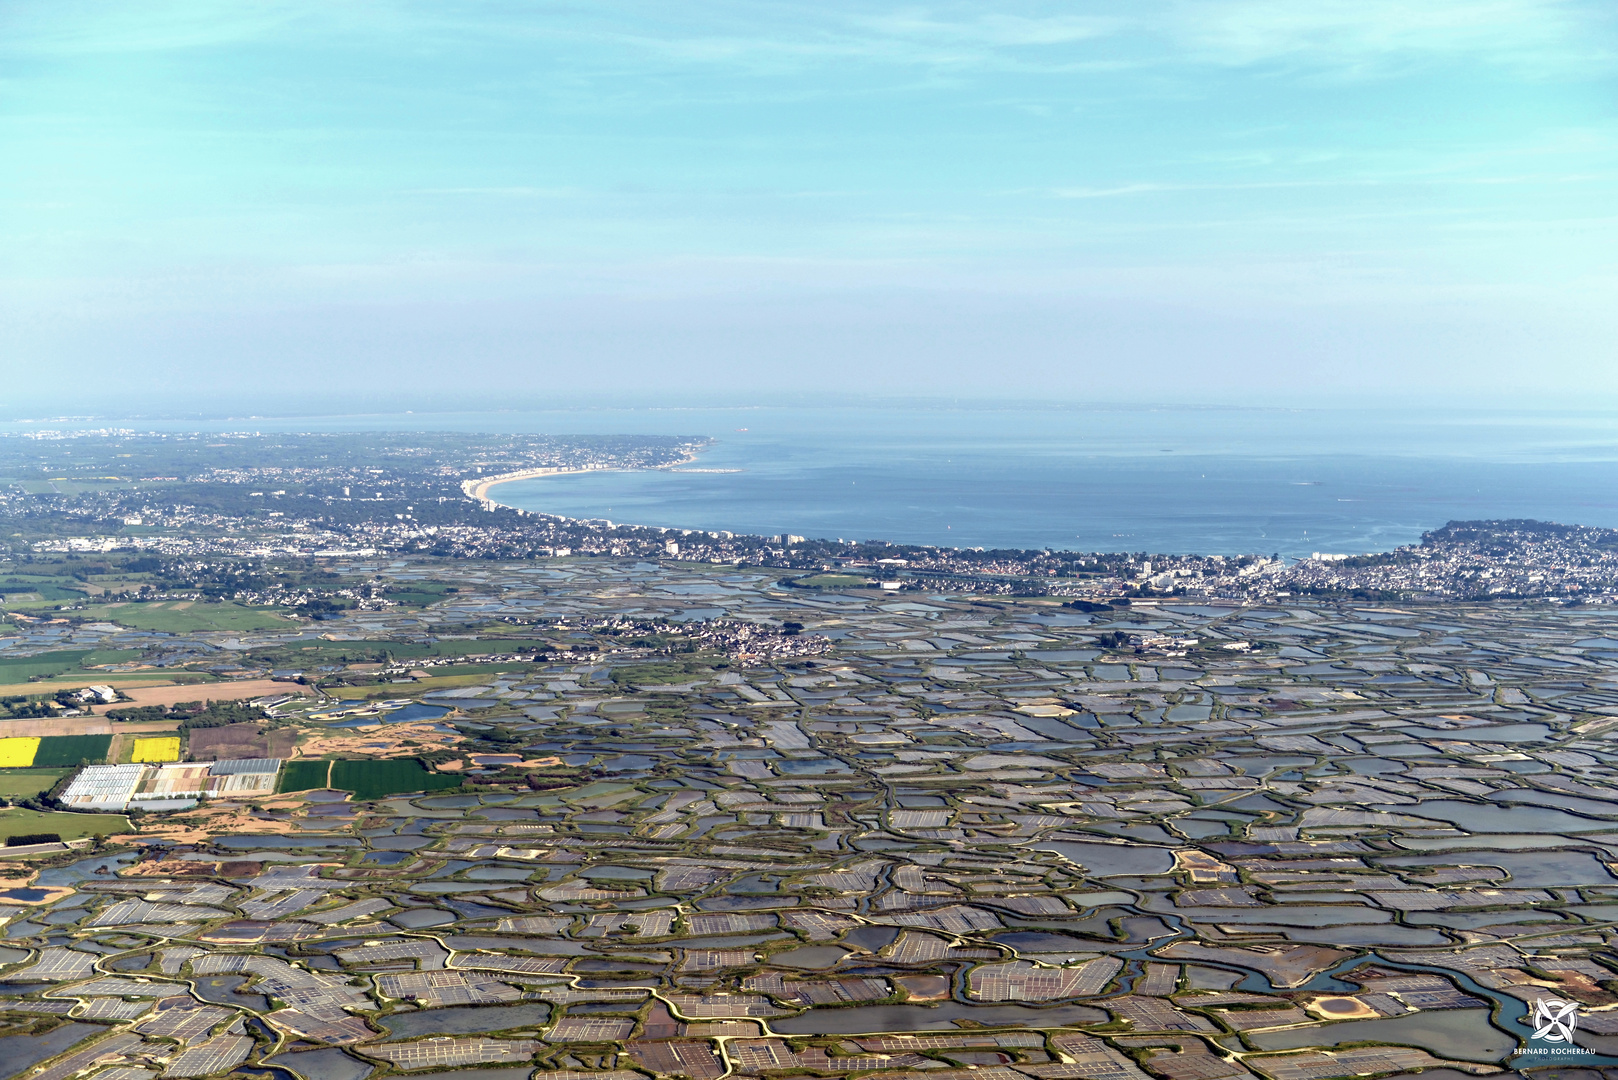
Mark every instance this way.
x=1555 y=1019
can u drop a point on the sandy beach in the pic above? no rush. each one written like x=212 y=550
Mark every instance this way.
x=479 y=488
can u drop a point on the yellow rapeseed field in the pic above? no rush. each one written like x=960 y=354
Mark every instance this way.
x=18 y=753
x=166 y=748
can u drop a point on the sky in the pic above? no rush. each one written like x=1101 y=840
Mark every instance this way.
x=387 y=202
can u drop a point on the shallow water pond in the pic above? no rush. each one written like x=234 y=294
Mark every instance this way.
x=221 y=990
x=1528 y=869
x=1465 y=1034
x=83 y=870
x=400 y=843
x=874 y=938
x=18 y=1052
x=811 y=956
x=1362 y=934
x=1556 y=799
x=328 y=1064
x=1498 y=819
x=1106 y=860
x=876 y=1018
x=418 y=918
x=471 y=1020
x=239 y=842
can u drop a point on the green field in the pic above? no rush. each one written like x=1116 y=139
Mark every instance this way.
x=672 y=672
x=390 y=776
x=166 y=617
x=23 y=783
x=47 y=592
x=18 y=822
x=62 y=751
x=337 y=651
x=451 y=670
x=22 y=668
x=370 y=779
x=420 y=686
x=303 y=775
x=831 y=581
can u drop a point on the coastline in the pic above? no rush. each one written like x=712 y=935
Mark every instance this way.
x=478 y=489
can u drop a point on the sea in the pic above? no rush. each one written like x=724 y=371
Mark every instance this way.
x=1140 y=478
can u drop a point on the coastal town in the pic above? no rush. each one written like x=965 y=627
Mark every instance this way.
x=439 y=498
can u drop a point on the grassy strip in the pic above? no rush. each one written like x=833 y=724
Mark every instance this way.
x=19 y=822
x=25 y=783
x=399 y=690
x=168 y=617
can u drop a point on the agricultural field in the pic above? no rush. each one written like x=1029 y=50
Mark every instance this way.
x=235 y=741
x=164 y=748
x=387 y=690
x=17 y=821
x=389 y=776
x=46 y=665
x=65 y=751
x=26 y=783
x=188 y=617
x=831 y=581
x=375 y=779
x=18 y=753
x=52 y=751
x=304 y=775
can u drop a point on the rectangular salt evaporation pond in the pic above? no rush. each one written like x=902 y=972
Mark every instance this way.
x=1592 y=807
x=1528 y=869
x=1113 y=860
x=871 y=1019
x=1323 y=915
x=1502 y=819
x=328 y=1064
x=473 y=1020
x=19 y=1052
x=519 y=1073
x=239 y=842
x=1384 y=934
x=1461 y=1034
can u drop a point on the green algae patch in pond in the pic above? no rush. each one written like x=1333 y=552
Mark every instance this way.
x=374 y=779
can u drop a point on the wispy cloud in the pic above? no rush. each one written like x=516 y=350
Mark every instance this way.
x=85 y=27
x=1369 y=35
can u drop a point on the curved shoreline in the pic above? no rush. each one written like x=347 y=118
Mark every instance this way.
x=478 y=489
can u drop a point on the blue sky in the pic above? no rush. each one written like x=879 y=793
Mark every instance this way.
x=1183 y=200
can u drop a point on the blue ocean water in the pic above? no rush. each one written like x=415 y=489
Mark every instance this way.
x=1218 y=480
